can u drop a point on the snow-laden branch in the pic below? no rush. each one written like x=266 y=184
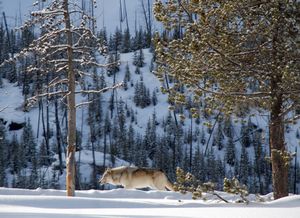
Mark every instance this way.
x=2 y=109
x=48 y=12
x=118 y=85
x=84 y=103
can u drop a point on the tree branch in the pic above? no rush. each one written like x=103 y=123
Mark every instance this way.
x=118 y=85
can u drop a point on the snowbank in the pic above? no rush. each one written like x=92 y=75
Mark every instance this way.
x=134 y=203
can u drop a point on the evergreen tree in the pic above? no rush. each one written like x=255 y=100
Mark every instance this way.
x=138 y=40
x=43 y=155
x=28 y=142
x=154 y=98
x=202 y=137
x=127 y=77
x=218 y=137
x=138 y=58
x=162 y=156
x=126 y=42
x=115 y=41
x=137 y=70
x=3 y=154
x=113 y=64
x=131 y=144
x=141 y=94
x=245 y=167
x=102 y=35
x=245 y=41
x=140 y=159
x=211 y=167
x=17 y=155
x=198 y=167
x=54 y=180
x=230 y=152
x=228 y=127
x=122 y=135
x=33 y=177
x=245 y=135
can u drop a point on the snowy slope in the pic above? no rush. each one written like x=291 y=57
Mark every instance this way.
x=133 y=203
x=107 y=13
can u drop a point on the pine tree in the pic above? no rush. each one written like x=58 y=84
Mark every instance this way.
x=198 y=167
x=3 y=154
x=244 y=172
x=28 y=142
x=33 y=177
x=131 y=144
x=138 y=58
x=16 y=155
x=122 y=129
x=211 y=166
x=138 y=40
x=127 y=77
x=154 y=98
x=245 y=135
x=242 y=51
x=43 y=155
x=54 y=180
x=230 y=152
x=140 y=159
x=228 y=127
x=218 y=137
x=126 y=42
x=102 y=35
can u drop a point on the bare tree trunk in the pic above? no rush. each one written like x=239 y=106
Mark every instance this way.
x=39 y=119
x=191 y=144
x=277 y=146
x=70 y=177
x=104 y=151
x=295 y=172
x=58 y=138
x=45 y=133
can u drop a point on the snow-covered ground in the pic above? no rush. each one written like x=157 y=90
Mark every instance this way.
x=134 y=203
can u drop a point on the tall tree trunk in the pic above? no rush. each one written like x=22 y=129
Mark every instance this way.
x=58 y=138
x=45 y=133
x=277 y=146
x=191 y=144
x=70 y=177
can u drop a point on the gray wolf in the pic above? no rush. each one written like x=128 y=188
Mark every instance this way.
x=134 y=177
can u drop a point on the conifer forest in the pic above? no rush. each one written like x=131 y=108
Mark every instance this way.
x=210 y=87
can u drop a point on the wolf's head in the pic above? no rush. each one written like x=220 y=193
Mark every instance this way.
x=107 y=177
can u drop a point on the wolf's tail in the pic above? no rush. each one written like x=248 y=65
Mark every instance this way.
x=169 y=186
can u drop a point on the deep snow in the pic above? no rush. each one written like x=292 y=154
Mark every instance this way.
x=134 y=203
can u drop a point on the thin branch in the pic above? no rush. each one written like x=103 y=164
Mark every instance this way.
x=84 y=103
x=289 y=109
x=118 y=85
x=2 y=109
x=292 y=119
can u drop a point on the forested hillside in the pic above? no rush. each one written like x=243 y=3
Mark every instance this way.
x=139 y=123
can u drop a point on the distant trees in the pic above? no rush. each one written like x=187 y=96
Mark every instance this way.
x=65 y=52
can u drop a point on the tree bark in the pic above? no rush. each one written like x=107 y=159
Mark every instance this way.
x=70 y=177
x=58 y=138
x=277 y=145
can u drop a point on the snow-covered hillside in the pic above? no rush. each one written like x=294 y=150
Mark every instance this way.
x=131 y=125
x=11 y=99
x=40 y=203
x=107 y=13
